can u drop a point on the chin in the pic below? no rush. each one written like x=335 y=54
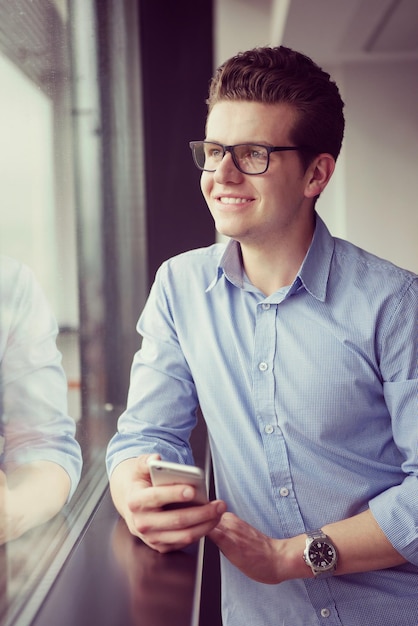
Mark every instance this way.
x=227 y=233
x=226 y=229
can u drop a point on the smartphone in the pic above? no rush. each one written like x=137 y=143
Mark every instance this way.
x=167 y=473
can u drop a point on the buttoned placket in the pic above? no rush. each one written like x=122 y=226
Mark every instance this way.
x=320 y=595
x=265 y=359
x=267 y=356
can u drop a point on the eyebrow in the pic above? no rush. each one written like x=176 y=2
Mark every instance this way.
x=244 y=143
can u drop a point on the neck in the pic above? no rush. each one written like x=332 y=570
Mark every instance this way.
x=271 y=269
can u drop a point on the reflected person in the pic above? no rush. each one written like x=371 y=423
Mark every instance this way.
x=40 y=457
x=302 y=351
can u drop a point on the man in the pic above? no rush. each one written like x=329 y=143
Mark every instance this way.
x=301 y=350
x=40 y=460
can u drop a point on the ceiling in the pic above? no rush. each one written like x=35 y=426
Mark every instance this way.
x=331 y=31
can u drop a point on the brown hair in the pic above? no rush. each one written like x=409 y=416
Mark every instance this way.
x=281 y=75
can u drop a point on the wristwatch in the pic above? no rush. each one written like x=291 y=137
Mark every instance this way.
x=320 y=554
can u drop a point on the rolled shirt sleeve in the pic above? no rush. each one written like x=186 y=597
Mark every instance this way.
x=396 y=510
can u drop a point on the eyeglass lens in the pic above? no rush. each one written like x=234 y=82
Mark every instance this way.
x=248 y=158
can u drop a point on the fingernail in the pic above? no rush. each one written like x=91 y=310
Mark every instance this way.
x=188 y=493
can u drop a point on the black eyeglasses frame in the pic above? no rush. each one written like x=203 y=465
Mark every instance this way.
x=231 y=150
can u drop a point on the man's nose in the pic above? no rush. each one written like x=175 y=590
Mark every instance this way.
x=227 y=168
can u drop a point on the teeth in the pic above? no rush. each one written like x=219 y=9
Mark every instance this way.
x=233 y=200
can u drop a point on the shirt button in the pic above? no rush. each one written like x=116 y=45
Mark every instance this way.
x=265 y=306
x=262 y=366
x=325 y=612
x=268 y=429
x=284 y=492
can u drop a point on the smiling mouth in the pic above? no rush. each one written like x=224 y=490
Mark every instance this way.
x=229 y=200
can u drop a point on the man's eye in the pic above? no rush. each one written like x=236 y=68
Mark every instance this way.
x=257 y=154
x=214 y=153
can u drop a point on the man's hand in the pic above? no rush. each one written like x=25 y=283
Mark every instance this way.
x=141 y=505
x=361 y=545
x=259 y=557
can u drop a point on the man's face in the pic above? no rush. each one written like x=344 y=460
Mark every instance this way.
x=262 y=208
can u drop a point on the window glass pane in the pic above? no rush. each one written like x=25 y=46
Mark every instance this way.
x=38 y=227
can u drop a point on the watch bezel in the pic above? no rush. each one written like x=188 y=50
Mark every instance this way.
x=320 y=537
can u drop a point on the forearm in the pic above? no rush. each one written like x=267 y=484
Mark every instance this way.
x=360 y=543
x=362 y=546
x=35 y=493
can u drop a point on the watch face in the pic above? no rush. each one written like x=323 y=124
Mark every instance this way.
x=321 y=554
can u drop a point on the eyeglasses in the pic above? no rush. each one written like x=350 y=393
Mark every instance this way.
x=248 y=158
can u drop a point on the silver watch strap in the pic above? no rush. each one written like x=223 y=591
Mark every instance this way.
x=317 y=534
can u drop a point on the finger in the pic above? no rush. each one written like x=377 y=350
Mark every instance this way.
x=229 y=522
x=228 y=530
x=170 y=530
x=201 y=518
x=156 y=498
x=159 y=520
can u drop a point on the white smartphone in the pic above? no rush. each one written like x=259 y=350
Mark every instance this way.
x=167 y=473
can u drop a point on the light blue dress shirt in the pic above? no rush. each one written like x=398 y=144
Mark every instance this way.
x=310 y=396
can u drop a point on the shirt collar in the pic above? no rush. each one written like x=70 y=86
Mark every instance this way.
x=313 y=273
x=230 y=266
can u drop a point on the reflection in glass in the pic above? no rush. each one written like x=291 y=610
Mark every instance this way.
x=40 y=463
x=37 y=221
x=68 y=203
x=41 y=459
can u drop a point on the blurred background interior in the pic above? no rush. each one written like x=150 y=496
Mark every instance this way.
x=99 y=100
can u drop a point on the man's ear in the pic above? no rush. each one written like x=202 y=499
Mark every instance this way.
x=318 y=174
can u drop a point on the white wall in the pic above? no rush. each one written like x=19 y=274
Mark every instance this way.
x=373 y=199
x=27 y=217
x=37 y=223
